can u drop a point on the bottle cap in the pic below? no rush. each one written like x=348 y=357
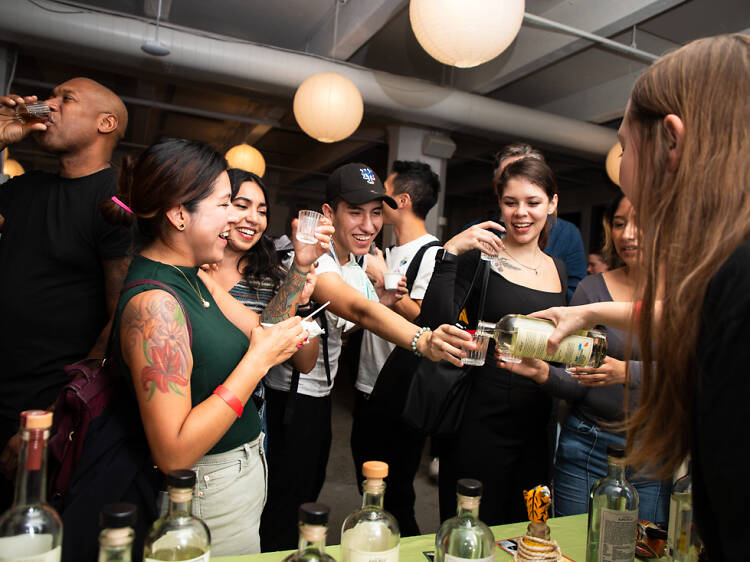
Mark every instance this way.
x=469 y=487
x=313 y=513
x=117 y=515
x=616 y=451
x=374 y=469
x=36 y=419
x=181 y=478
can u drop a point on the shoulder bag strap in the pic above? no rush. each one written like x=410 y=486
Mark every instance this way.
x=416 y=262
x=473 y=282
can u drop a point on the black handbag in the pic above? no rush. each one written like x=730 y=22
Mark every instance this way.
x=428 y=396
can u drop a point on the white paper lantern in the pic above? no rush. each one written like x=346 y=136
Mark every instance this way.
x=613 y=163
x=465 y=33
x=246 y=157
x=328 y=106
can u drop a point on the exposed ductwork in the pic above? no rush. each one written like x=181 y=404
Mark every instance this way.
x=260 y=68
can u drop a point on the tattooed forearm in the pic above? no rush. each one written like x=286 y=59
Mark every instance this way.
x=280 y=307
x=155 y=343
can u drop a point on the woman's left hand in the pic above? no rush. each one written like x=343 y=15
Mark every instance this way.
x=307 y=290
x=534 y=369
x=447 y=343
x=306 y=254
x=612 y=371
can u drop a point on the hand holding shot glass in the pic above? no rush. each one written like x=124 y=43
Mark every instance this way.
x=307 y=223
x=481 y=339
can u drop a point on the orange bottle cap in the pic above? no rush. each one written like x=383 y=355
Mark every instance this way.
x=374 y=469
x=36 y=419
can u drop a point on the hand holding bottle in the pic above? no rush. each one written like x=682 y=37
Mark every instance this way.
x=612 y=371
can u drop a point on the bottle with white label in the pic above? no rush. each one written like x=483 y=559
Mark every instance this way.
x=179 y=535
x=116 y=538
x=371 y=534
x=313 y=526
x=520 y=336
x=31 y=529
x=465 y=537
x=613 y=513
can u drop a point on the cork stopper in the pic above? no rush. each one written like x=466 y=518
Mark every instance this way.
x=36 y=419
x=375 y=469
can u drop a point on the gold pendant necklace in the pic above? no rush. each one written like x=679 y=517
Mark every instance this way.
x=534 y=269
x=196 y=289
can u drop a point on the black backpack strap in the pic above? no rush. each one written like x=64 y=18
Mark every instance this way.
x=416 y=262
x=294 y=383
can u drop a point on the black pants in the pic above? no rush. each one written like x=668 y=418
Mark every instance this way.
x=379 y=435
x=297 y=460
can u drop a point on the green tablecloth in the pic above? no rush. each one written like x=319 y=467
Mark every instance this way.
x=569 y=532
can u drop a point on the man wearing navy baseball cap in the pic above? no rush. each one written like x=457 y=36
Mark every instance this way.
x=298 y=405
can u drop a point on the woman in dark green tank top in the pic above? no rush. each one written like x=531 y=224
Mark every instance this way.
x=193 y=353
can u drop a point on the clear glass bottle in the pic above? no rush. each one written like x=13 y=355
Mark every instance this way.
x=116 y=538
x=31 y=529
x=313 y=526
x=613 y=514
x=683 y=542
x=371 y=534
x=179 y=535
x=520 y=336
x=465 y=537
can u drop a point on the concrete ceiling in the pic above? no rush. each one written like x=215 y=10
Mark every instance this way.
x=543 y=69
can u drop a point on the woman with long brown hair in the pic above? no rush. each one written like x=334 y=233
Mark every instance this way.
x=685 y=166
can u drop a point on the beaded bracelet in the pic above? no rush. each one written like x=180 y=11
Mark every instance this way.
x=416 y=337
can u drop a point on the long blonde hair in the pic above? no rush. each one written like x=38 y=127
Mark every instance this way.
x=691 y=220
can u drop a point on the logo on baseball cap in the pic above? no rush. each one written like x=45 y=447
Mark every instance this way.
x=357 y=184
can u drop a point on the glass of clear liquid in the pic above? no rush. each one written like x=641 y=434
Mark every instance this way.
x=481 y=338
x=306 y=225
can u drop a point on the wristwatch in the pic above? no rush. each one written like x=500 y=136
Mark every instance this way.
x=444 y=256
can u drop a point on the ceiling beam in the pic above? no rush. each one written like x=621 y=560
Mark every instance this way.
x=357 y=22
x=537 y=46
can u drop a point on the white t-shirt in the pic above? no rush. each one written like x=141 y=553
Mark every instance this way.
x=375 y=350
x=315 y=383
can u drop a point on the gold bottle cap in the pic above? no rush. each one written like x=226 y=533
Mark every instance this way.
x=36 y=419
x=374 y=469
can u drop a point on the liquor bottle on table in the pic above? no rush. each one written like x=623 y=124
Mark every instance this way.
x=116 y=538
x=613 y=513
x=371 y=533
x=31 y=529
x=179 y=535
x=313 y=526
x=520 y=336
x=465 y=537
x=683 y=542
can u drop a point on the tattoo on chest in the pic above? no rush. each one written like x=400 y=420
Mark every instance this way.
x=504 y=263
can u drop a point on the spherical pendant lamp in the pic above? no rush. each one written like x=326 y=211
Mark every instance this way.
x=246 y=157
x=613 y=163
x=465 y=34
x=328 y=106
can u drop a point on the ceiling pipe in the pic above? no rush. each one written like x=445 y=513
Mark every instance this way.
x=228 y=62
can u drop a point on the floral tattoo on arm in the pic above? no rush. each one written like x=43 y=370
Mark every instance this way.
x=154 y=327
x=280 y=307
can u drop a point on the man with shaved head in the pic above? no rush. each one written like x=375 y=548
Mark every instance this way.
x=61 y=265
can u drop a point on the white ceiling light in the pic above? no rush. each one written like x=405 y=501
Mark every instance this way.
x=613 y=163
x=328 y=106
x=248 y=158
x=465 y=34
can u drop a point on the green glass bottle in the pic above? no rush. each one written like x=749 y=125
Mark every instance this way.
x=613 y=514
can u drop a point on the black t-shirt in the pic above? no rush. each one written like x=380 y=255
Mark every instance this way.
x=721 y=437
x=52 y=299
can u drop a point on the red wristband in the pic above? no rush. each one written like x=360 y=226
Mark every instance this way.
x=232 y=401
